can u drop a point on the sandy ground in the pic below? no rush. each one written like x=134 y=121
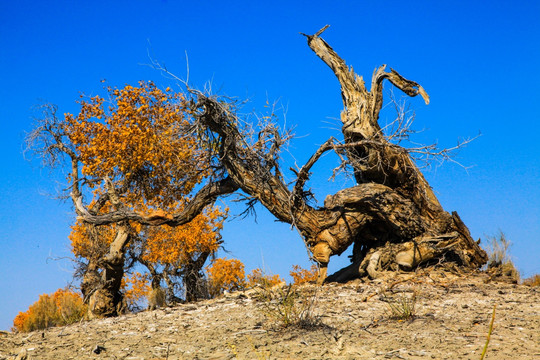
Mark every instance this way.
x=348 y=321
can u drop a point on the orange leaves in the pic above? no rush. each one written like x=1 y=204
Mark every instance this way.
x=181 y=245
x=302 y=276
x=61 y=308
x=91 y=242
x=225 y=274
x=136 y=287
x=20 y=321
x=69 y=305
x=140 y=137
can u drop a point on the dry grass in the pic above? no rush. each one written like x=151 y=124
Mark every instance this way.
x=498 y=249
x=289 y=306
x=484 y=351
x=402 y=307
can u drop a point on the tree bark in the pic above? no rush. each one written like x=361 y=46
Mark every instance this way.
x=193 y=278
x=101 y=290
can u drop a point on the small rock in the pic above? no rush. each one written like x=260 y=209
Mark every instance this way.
x=98 y=349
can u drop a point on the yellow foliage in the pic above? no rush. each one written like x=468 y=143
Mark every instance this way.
x=60 y=308
x=135 y=288
x=302 y=276
x=258 y=277
x=225 y=274
x=163 y=244
x=139 y=138
x=180 y=245
x=90 y=242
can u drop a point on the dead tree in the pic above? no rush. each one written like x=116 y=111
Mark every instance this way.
x=391 y=216
x=417 y=229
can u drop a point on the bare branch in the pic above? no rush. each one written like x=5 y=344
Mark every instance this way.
x=204 y=197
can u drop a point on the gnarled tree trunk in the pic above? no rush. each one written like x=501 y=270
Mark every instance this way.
x=194 y=282
x=408 y=224
x=101 y=289
x=391 y=216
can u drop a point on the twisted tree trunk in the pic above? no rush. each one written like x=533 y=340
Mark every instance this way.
x=392 y=216
x=101 y=290
x=408 y=224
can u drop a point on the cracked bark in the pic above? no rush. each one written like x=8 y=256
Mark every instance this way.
x=408 y=225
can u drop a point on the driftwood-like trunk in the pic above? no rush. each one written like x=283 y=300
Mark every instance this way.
x=392 y=216
x=417 y=229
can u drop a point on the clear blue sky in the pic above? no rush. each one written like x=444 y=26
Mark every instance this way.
x=477 y=60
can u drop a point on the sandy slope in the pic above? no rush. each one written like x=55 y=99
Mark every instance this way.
x=453 y=315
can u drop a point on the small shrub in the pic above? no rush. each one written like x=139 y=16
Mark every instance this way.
x=500 y=266
x=259 y=278
x=63 y=307
x=302 y=276
x=69 y=306
x=156 y=298
x=532 y=281
x=498 y=249
x=225 y=274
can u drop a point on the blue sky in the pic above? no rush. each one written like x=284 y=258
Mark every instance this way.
x=477 y=60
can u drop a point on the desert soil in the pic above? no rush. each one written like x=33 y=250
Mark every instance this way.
x=452 y=319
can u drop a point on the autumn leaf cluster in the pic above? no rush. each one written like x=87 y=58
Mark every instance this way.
x=140 y=135
x=258 y=277
x=180 y=245
x=136 y=288
x=225 y=274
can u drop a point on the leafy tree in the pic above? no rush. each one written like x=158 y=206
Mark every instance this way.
x=133 y=151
